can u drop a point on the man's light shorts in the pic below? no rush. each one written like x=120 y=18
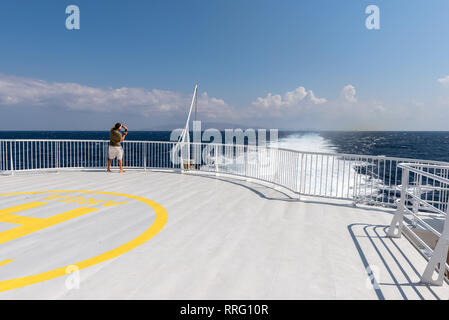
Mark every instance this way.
x=115 y=152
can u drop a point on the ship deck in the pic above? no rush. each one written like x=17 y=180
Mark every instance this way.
x=184 y=236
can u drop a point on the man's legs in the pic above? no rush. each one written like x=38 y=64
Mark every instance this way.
x=113 y=154
x=109 y=165
x=110 y=158
x=120 y=164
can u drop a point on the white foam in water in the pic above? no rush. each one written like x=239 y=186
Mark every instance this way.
x=309 y=174
x=320 y=175
x=323 y=175
x=309 y=142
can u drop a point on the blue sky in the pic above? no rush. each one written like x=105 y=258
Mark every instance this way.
x=137 y=61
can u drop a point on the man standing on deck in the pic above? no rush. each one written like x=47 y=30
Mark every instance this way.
x=115 y=149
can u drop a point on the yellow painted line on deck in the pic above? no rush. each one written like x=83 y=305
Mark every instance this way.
x=12 y=218
x=5 y=262
x=30 y=226
x=7 y=214
x=158 y=224
x=22 y=207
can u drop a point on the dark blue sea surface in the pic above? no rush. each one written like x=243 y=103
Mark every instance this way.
x=84 y=135
x=428 y=145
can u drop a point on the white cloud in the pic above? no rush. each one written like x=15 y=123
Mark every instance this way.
x=380 y=108
x=213 y=108
x=72 y=96
x=295 y=99
x=348 y=93
x=299 y=108
x=444 y=80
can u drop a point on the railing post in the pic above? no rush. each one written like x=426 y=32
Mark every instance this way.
x=11 y=158
x=415 y=202
x=105 y=154
x=298 y=178
x=301 y=175
x=189 y=160
x=216 y=158
x=245 y=155
x=355 y=191
x=395 y=229
x=57 y=153
x=181 y=158
x=438 y=260
x=145 y=156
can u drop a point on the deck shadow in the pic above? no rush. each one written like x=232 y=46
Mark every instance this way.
x=259 y=192
x=382 y=253
x=265 y=191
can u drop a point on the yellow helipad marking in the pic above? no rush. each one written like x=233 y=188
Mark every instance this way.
x=30 y=225
x=158 y=224
x=7 y=214
x=2 y=263
x=82 y=200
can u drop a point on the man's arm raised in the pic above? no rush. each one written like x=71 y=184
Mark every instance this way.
x=125 y=133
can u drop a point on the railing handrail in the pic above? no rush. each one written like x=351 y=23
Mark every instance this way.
x=368 y=162
x=438 y=259
x=84 y=140
x=381 y=157
x=411 y=167
x=421 y=162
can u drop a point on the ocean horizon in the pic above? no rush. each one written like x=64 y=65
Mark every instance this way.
x=428 y=145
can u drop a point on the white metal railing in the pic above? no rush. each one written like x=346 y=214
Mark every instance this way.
x=362 y=179
x=30 y=155
x=423 y=207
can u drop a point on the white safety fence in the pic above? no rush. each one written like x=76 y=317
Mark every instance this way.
x=423 y=208
x=30 y=155
x=362 y=179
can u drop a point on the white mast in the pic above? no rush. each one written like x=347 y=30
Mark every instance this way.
x=186 y=132
x=185 y=135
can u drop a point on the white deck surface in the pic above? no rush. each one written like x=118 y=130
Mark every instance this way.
x=224 y=239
